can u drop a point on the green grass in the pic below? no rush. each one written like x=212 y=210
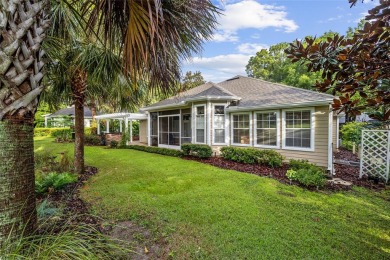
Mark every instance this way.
x=206 y=212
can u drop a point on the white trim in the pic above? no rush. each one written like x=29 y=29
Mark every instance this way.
x=149 y=130
x=175 y=147
x=205 y=123
x=227 y=125
x=250 y=128
x=337 y=132
x=277 y=146
x=180 y=123
x=226 y=129
x=312 y=130
x=212 y=98
x=281 y=106
x=193 y=124
x=208 y=123
x=330 y=142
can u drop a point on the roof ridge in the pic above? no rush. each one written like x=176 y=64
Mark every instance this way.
x=283 y=85
x=224 y=90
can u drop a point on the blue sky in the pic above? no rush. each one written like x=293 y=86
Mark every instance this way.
x=247 y=26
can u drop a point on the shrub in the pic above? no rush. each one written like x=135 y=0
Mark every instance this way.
x=352 y=133
x=252 y=156
x=158 y=150
x=197 y=150
x=113 y=144
x=93 y=140
x=63 y=134
x=53 y=181
x=306 y=173
x=59 y=132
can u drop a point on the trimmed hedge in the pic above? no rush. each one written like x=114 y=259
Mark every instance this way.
x=154 y=149
x=60 y=131
x=252 y=156
x=197 y=150
x=306 y=173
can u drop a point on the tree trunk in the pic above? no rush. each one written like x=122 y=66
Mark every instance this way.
x=17 y=190
x=22 y=30
x=79 y=86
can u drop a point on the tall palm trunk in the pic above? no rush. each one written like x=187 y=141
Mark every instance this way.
x=79 y=86
x=22 y=27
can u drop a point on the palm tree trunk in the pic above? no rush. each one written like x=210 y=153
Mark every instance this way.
x=22 y=30
x=79 y=86
x=17 y=190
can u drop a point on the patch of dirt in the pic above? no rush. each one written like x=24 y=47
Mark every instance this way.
x=141 y=239
x=345 y=155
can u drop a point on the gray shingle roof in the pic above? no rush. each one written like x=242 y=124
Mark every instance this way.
x=251 y=92
x=69 y=111
x=256 y=92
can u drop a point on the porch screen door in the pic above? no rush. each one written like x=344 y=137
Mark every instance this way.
x=169 y=130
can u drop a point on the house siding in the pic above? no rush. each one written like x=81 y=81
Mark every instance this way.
x=320 y=154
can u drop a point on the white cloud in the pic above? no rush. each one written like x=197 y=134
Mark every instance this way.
x=219 y=67
x=224 y=37
x=251 y=48
x=250 y=14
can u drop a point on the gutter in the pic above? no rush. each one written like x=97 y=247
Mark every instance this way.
x=287 y=105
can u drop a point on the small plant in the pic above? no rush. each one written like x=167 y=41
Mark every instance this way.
x=352 y=133
x=307 y=174
x=45 y=210
x=113 y=144
x=53 y=181
x=197 y=150
x=291 y=175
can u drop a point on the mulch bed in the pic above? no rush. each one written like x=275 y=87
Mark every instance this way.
x=345 y=155
x=75 y=211
x=347 y=173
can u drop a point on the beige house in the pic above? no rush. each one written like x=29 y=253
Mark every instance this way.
x=247 y=112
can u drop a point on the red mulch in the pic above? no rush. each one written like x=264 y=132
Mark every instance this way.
x=344 y=172
x=346 y=155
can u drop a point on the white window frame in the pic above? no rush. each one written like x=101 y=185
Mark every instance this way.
x=225 y=119
x=277 y=146
x=205 y=123
x=250 y=128
x=312 y=129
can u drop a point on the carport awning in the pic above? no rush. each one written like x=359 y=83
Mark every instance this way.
x=129 y=116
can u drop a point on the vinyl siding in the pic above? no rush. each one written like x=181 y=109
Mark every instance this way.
x=143 y=131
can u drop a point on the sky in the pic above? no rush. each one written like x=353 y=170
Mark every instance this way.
x=248 y=26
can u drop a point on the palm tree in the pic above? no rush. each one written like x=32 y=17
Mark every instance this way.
x=153 y=34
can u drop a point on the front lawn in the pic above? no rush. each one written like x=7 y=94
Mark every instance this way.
x=207 y=212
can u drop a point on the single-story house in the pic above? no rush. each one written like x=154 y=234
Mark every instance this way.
x=65 y=117
x=247 y=112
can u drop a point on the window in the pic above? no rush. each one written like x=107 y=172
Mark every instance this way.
x=219 y=124
x=298 y=130
x=200 y=124
x=241 y=129
x=267 y=129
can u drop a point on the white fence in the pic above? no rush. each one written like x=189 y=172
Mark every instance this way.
x=375 y=154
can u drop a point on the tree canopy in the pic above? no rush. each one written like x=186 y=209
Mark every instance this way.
x=355 y=68
x=191 y=80
x=273 y=65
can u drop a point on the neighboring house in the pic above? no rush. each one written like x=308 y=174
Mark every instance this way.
x=65 y=117
x=247 y=112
